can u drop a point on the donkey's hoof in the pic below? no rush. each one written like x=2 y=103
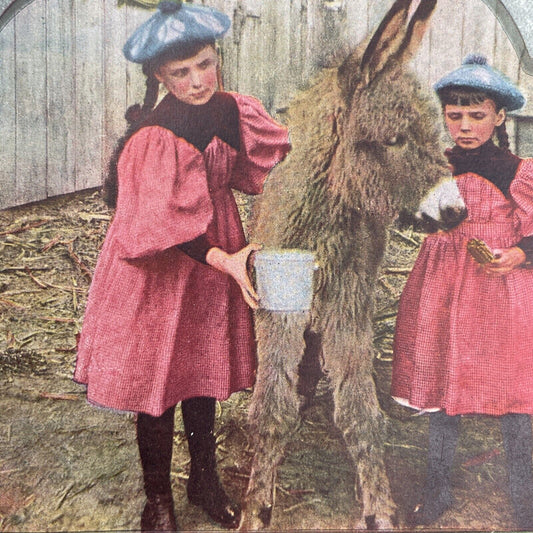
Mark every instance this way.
x=375 y=523
x=257 y=519
x=383 y=523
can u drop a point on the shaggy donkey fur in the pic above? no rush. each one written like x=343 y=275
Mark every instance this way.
x=365 y=145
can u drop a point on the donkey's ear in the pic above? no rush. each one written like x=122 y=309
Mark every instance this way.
x=418 y=25
x=386 y=41
x=356 y=72
x=395 y=41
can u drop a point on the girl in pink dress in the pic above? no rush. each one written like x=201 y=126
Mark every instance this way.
x=464 y=334
x=168 y=317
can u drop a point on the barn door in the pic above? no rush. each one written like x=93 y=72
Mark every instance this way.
x=64 y=87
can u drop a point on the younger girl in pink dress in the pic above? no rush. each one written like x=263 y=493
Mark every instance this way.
x=464 y=335
x=168 y=317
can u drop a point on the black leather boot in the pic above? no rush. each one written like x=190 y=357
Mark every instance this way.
x=158 y=514
x=204 y=488
x=518 y=444
x=155 y=439
x=437 y=497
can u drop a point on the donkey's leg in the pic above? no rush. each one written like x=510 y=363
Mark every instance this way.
x=273 y=414
x=310 y=368
x=348 y=363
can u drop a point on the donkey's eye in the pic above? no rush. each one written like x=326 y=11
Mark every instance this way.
x=395 y=140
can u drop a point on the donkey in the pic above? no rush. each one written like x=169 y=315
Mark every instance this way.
x=365 y=146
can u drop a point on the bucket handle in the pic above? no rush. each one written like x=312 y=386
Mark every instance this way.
x=320 y=279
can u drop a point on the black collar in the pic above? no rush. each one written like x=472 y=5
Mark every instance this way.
x=495 y=164
x=198 y=124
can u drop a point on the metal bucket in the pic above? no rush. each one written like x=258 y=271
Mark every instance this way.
x=285 y=279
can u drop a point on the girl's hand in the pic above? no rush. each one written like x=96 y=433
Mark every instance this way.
x=236 y=265
x=507 y=259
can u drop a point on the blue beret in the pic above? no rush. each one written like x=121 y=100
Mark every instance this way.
x=173 y=24
x=474 y=73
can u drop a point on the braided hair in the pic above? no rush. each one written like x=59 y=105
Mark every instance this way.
x=466 y=96
x=136 y=114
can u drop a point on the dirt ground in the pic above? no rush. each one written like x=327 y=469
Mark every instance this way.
x=68 y=466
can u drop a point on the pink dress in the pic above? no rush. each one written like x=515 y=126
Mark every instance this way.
x=159 y=326
x=464 y=339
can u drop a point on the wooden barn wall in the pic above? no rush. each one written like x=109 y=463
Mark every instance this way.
x=64 y=84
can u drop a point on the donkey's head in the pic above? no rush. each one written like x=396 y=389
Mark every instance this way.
x=389 y=148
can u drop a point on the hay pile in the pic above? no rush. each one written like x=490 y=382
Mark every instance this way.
x=67 y=466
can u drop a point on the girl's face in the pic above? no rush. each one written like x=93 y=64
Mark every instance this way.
x=192 y=80
x=473 y=125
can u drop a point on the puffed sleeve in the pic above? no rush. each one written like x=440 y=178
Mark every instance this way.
x=264 y=143
x=163 y=196
x=521 y=191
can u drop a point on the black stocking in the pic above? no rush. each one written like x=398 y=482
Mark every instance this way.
x=443 y=436
x=204 y=488
x=198 y=417
x=518 y=444
x=155 y=439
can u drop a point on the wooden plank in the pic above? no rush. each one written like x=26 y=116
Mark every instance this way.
x=255 y=8
x=7 y=116
x=507 y=62
x=315 y=31
x=505 y=58
x=241 y=48
x=280 y=60
x=479 y=30
x=229 y=45
x=298 y=34
x=327 y=43
x=421 y=63
x=525 y=82
x=227 y=48
x=115 y=78
x=30 y=90
x=89 y=92
x=136 y=86
x=357 y=22
x=250 y=55
x=61 y=127
x=311 y=18
x=446 y=38
x=376 y=12
x=522 y=136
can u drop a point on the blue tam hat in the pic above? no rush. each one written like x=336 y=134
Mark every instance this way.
x=175 y=24
x=474 y=73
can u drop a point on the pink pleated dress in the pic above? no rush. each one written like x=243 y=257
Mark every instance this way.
x=464 y=339
x=159 y=326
